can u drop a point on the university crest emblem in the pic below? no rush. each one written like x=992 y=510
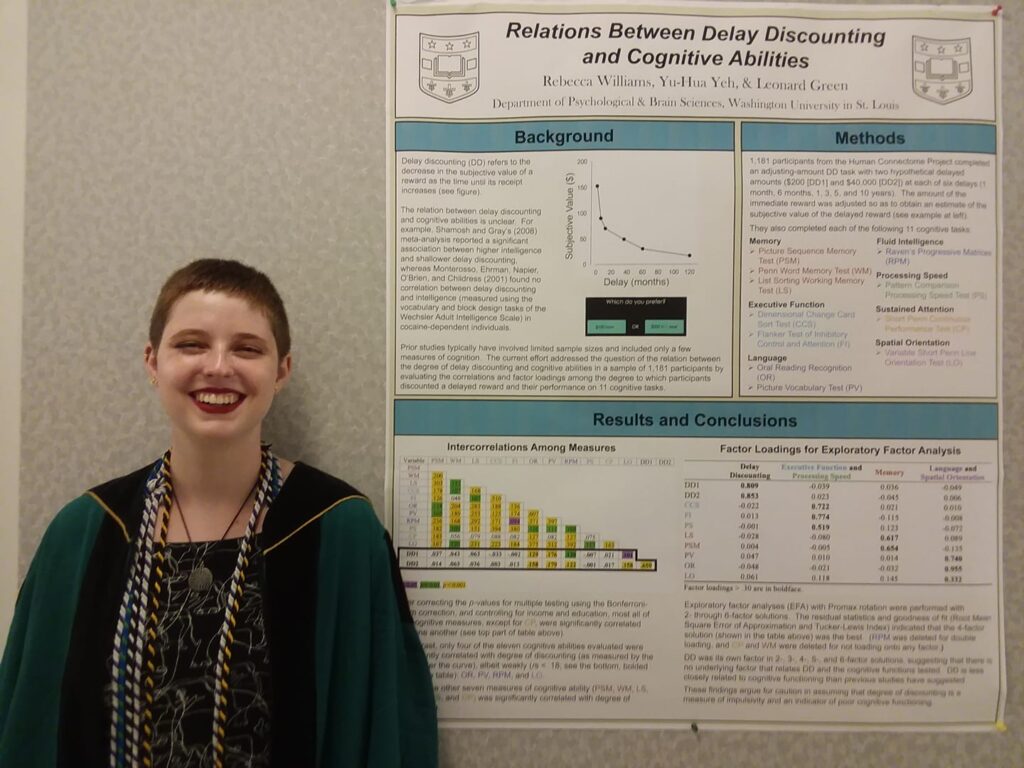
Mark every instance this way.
x=942 y=69
x=450 y=66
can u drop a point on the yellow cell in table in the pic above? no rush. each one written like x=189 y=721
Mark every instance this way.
x=552 y=554
x=496 y=503
x=532 y=564
x=551 y=564
x=513 y=541
x=495 y=543
x=551 y=544
x=570 y=541
x=570 y=565
x=609 y=544
x=533 y=517
x=627 y=565
x=514 y=508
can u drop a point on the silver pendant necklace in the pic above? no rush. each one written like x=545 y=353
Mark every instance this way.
x=200 y=578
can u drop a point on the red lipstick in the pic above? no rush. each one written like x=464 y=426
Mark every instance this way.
x=217 y=400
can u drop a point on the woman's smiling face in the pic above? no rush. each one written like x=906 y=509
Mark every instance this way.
x=217 y=367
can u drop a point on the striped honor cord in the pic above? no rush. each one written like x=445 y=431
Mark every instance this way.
x=265 y=492
x=131 y=715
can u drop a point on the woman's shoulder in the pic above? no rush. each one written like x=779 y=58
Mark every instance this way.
x=320 y=489
x=310 y=495
x=75 y=518
x=78 y=520
x=123 y=494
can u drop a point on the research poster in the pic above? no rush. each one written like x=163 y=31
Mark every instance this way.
x=694 y=361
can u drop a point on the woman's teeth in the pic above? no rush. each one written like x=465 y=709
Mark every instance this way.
x=209 y=398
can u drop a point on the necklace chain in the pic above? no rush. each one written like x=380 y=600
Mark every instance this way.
x=177 y=505
x=200 y=578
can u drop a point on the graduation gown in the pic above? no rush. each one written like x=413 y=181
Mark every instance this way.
x=350 y=685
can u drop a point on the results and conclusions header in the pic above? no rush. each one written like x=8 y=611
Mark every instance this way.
x=919 y=421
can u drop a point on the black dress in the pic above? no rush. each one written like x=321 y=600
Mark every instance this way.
x=187 y=640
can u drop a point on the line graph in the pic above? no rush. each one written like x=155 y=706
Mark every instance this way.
x=625 y=238
x=633 y=209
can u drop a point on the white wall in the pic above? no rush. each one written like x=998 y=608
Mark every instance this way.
x=13 y=57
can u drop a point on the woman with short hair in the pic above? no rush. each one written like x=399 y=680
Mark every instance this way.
x=221 y=606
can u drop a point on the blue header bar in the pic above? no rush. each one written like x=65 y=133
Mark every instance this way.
x=563 y=135
x=868 y=137
x=918 y=421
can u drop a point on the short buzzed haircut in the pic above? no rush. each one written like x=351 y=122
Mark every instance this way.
x=223 y=276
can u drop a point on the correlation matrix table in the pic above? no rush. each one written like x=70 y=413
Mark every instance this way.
x=447 y=523
x=694 y=362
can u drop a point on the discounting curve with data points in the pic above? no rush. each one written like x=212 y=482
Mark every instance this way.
x=623 y=238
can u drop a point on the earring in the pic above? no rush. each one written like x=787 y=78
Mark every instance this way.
x=152 y=380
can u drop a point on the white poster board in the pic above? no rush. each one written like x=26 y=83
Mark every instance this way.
x=694 y=361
